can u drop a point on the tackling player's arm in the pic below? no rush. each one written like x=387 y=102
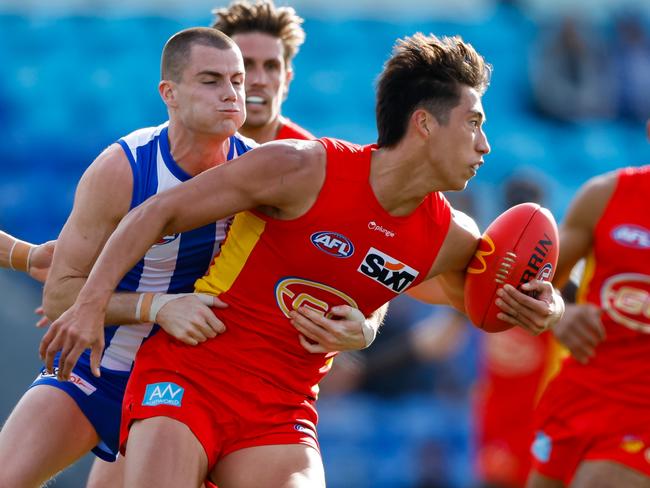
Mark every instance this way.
x=346 y=330
x=102 y=198
x=19 y=255
x=581 y=329
x=285 y=189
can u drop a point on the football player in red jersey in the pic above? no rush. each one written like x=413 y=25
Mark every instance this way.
x=592 y=421
x=241 y=409
x=269 y=38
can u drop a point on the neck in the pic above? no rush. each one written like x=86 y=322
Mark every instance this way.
x=401 y=178
x=194 y=152
x=264 y=133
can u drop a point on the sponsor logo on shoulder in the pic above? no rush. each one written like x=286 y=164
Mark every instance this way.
x=633 y=236
x=333 y=243
x=388 y=271
x=372 y=225
x=163 y=394
x=542 y=447
x=75 y=379
x=166 y=240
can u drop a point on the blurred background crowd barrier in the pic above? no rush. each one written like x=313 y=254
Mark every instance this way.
x=568 y=98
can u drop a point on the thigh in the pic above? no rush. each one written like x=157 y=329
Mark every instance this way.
x=163 y=452
x=106 y=475
x=275 y=466
x=538 y=480
x=45 y=433
x=608 y=474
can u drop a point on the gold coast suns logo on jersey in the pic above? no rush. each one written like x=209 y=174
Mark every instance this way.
x=626 y=300
x=387 y=271
x=293 y=292
x=485 y=248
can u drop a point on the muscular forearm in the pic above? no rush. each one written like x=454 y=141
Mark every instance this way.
x=60 y=296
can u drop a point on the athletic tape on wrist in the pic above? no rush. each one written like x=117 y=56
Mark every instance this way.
x=19 y=256
x=162 y=299
x=143 y=308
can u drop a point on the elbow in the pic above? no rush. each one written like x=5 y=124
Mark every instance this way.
x=56 y=299
x=52 y=303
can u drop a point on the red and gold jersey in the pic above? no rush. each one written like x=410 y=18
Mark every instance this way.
x=291 y=130
x=345 y=250
x=617 y=279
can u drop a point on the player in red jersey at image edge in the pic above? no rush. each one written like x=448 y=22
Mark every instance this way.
x=591 y=423
x=241 y=408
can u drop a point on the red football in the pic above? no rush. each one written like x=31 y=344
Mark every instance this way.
x=520 y=245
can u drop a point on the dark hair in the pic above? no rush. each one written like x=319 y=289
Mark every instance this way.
x=176 y=52
x=425 y=72
x=263 y=16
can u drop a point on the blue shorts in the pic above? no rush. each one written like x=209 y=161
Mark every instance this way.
x=100 y=400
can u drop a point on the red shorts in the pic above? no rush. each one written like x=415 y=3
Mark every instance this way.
x=226 y=408
x=575 y=424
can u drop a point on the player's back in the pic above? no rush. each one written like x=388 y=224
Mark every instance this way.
x=617 y=279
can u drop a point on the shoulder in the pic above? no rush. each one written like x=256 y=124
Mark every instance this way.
x=591 y=200
x=142 y=137
x=111 y=163
x=290 y=155
x=291 y=130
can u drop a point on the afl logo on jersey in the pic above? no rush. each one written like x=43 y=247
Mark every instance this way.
x=166 y=240
x=633 y=236
x=625 y=298
x=388 y=271
x=334 y=244
x=291 y=293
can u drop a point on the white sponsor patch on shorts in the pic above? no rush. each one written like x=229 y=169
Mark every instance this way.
x=78 y=381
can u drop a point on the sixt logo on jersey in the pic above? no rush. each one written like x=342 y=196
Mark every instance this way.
x=166 y=240
x=633 y=236
x=332 y=243
x=163 y=394
x=388 y=271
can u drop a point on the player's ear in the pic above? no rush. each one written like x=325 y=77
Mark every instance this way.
x=424 y=122
x=167 y=92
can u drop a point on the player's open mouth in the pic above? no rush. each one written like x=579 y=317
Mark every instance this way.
x=253 y=100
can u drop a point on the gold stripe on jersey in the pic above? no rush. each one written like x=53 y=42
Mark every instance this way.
x=587 y=275
x=245 y=231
